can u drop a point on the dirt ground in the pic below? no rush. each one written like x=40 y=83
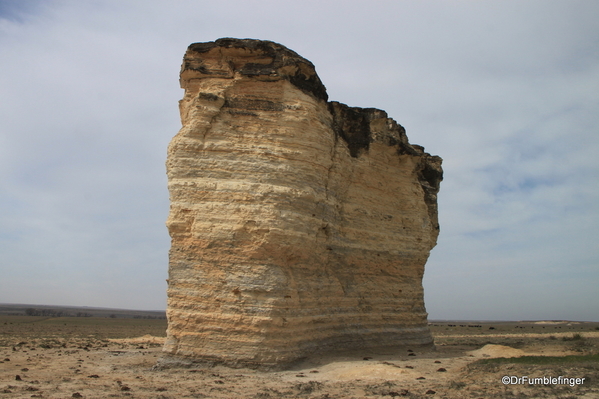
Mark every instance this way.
x=115 y=358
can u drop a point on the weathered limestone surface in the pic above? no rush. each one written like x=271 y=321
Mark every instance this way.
x=298 y=225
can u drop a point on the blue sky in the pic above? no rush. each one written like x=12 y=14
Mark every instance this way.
x=506 y=92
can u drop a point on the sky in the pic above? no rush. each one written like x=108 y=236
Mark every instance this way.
x=505 y=91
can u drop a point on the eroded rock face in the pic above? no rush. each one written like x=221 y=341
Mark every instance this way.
x=298 y=225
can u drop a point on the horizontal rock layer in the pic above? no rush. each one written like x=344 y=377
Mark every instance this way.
x=298 y=226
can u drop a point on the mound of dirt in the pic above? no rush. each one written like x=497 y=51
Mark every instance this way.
x=491 y=350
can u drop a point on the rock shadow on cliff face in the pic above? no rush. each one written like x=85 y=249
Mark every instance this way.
x=299 y=226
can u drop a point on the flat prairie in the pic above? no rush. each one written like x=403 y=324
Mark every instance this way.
x=103 y=357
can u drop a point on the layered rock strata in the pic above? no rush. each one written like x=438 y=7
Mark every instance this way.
x=298 y=226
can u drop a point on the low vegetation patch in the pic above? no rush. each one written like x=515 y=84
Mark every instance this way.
x=572 y=359
x=575 y=337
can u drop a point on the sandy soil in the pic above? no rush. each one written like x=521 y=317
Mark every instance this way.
x=46 y=364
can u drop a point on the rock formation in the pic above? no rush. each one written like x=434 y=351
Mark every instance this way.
x=298 y=226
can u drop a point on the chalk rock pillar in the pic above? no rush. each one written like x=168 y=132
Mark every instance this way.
x=298 y=226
